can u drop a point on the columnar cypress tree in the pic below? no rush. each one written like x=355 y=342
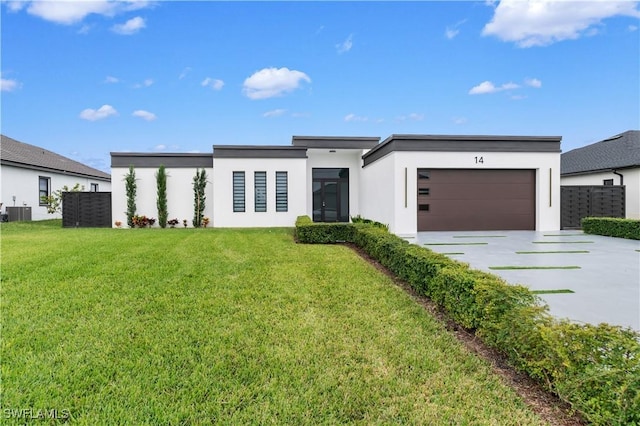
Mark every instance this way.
x=131 y=186
x=161 y=202
x=199 y=185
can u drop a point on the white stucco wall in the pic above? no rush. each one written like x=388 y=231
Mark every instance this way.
x=403 y=219
x=179 y=193
x=631 y=181
x=342 y=159
x=379 y=190
x=24 y=184
x=223 y=214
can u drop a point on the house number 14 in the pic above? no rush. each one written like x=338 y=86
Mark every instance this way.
x=479 y=160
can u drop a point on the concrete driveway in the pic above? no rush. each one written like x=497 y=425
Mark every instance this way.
x=595 y=279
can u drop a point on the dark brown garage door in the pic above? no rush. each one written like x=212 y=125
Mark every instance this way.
x=476 y=200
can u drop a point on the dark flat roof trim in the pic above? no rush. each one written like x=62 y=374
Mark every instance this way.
x=335 y=142
x=591 y=172
x=429 y=143
x=50 y=170
x=170 y=160
x=258 y=151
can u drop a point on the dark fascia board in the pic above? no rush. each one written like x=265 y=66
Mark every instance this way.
x=591 y=172
x=154 y=160
x=462 y=143
x=56 y=171
x=258 y=151
x=335 y=142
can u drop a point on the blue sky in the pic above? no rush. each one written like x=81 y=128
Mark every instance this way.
x=87 y=78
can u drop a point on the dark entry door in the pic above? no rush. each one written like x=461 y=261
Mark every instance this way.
x=330 y=195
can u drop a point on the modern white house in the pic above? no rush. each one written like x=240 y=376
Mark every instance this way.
x=613 y=161
x=28 y=172
x=410 y=182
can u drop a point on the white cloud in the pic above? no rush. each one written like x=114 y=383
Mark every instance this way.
x=8 y=85
x=459 y=120
x=632 y=28
x=71 y=12
x=453 y=31
x=533 y=82
x=160 y=147
x=145 y=115
x=103 y=112
x=543 y=22
x=146 y=83
x=111 y=79
x=213 y=83
x=346 y=45
x=272 y=82
x=352 y=117
x=274 y=113
x=414 y=116
x=15 y=6
x=130 y=27
x=488 y=87
x=184 y=73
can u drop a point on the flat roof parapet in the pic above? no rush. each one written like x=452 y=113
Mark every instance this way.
x=462 y=143
x=335 y=142
x=258 y=151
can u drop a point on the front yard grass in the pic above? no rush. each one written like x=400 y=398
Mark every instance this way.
x=184 y=326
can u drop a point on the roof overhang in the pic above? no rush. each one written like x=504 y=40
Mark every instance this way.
x=170 y=160
x=10 y=163
x=335 y=142
x=462 y=143
x=258 y=151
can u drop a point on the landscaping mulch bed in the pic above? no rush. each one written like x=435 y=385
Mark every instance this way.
x=544 y=403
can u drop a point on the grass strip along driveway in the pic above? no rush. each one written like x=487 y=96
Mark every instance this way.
x=196 y=326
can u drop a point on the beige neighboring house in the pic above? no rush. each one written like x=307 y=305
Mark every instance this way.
x=613 y=161
x=28 y=172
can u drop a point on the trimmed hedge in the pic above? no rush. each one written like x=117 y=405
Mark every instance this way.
x=612 y=227
x=322 y=233
x=594 y=368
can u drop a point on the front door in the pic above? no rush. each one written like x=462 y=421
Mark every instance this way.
x=330 y=195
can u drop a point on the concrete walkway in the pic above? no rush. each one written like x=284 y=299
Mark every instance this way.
x=600 y=275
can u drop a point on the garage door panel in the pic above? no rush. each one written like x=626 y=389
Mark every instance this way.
x=479 y=223
x=459 y=199
x=478 y=191
x=481 y=207
x=482 y=176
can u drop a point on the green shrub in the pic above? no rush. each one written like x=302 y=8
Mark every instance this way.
x=612 y=227
x=322 y=233
x=360 y=219
x=597 y=369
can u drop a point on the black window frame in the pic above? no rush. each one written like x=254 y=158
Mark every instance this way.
x=42 y=192
x=282 y=191
x=260 y=191
x=94 y=187
x=239 y=196
x=607 y=182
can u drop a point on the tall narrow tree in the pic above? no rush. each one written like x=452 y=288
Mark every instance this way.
x=199 y=185
x=161 y=202
x=130 y=186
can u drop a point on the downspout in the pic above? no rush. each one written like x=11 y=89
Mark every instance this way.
x=621 y=177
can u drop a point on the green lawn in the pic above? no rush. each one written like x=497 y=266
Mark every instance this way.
x=184 y=326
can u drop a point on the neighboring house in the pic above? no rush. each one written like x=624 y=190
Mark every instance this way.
x=613 y=161
x=28 y=172
x=410 y=182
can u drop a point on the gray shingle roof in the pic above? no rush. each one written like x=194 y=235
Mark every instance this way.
x=19 y=154
x=617 y=152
